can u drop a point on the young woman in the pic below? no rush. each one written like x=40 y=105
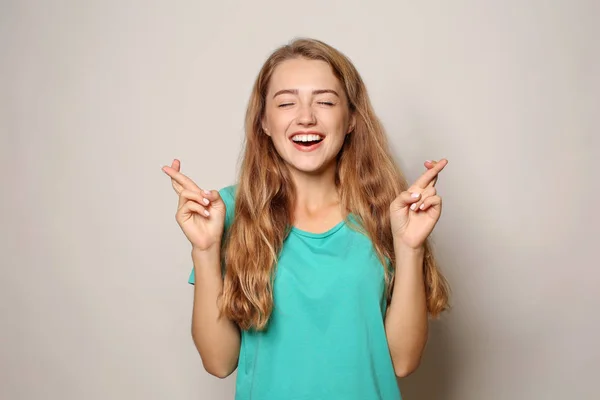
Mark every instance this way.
x=313 y=273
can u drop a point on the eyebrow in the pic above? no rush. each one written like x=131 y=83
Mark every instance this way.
x=295 y=91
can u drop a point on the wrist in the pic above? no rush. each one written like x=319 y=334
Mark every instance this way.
x=405 y=252
x=209 y=253
x=399 y=245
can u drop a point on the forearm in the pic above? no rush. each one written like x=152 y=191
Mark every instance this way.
x=406 y=318
x=217 y=339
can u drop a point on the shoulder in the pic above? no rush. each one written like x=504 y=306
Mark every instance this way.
x=228 y=195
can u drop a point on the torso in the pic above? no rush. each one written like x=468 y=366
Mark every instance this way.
x=326 y=336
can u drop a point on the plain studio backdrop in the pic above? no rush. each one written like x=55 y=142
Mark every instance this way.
x=97 y=95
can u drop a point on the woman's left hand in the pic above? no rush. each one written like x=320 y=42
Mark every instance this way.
x=413 y=218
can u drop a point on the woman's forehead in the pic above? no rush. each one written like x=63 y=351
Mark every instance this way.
x=303 y=75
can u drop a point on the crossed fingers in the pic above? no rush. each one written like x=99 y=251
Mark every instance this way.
x=425 y=184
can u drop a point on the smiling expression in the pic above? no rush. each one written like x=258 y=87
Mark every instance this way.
x=307 y=114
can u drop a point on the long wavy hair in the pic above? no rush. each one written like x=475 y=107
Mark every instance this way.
x=367 y=179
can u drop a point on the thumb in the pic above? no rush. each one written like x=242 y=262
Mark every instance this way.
x=214 y=197
x=406 y=198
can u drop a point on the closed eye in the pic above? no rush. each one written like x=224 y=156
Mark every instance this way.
x=325 y=103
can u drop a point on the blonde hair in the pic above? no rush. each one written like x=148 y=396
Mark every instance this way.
x=367 y=178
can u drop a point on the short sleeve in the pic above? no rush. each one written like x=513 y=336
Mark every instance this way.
x=228 y=195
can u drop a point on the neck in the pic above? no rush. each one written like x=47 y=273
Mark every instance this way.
x=315 y=191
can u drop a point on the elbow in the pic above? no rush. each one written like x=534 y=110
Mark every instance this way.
x=404 y=371
x=404 y=368
x=216 y=365
x=408 y=360
x=219 y=371
x=213 y=361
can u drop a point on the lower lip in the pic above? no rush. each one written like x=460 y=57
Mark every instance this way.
x=312 y=147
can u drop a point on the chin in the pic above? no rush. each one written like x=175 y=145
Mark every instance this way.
x=308 y=168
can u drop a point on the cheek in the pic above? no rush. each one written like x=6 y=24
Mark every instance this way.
x=276 y=125
x=337 y=122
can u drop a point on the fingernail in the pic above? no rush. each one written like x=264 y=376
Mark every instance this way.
x=206 y=191
x=205 y=201
x=206 y=213
x=415 y=195
x=422 y=206
x=428 y=161
x=413 y=207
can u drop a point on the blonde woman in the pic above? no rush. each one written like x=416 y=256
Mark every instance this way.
x=313 y=273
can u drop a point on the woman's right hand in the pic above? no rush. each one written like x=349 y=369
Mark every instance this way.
x=200 y=213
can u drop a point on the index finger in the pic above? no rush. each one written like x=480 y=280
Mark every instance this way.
x=180 y=178
x=430 y=176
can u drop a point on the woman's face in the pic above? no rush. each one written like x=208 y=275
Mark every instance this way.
x=307 y=114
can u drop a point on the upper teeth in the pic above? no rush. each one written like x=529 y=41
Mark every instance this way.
x=306 y=138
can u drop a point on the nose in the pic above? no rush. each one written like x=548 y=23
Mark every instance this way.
x=306 y=115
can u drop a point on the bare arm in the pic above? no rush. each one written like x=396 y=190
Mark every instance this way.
x=217 y=339
x=406 y=318
x=201 y=216
x=414 y=213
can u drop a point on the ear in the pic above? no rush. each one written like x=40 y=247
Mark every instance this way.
x=264 y=127
x=352 y=124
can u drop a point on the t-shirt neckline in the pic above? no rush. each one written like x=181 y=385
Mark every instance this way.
x=314 y=235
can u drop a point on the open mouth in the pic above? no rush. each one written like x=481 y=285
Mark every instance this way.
x=307 y=140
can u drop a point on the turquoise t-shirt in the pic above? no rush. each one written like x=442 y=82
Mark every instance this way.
x=326 y=338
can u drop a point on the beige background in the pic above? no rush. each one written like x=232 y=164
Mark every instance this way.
x=97 y=95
